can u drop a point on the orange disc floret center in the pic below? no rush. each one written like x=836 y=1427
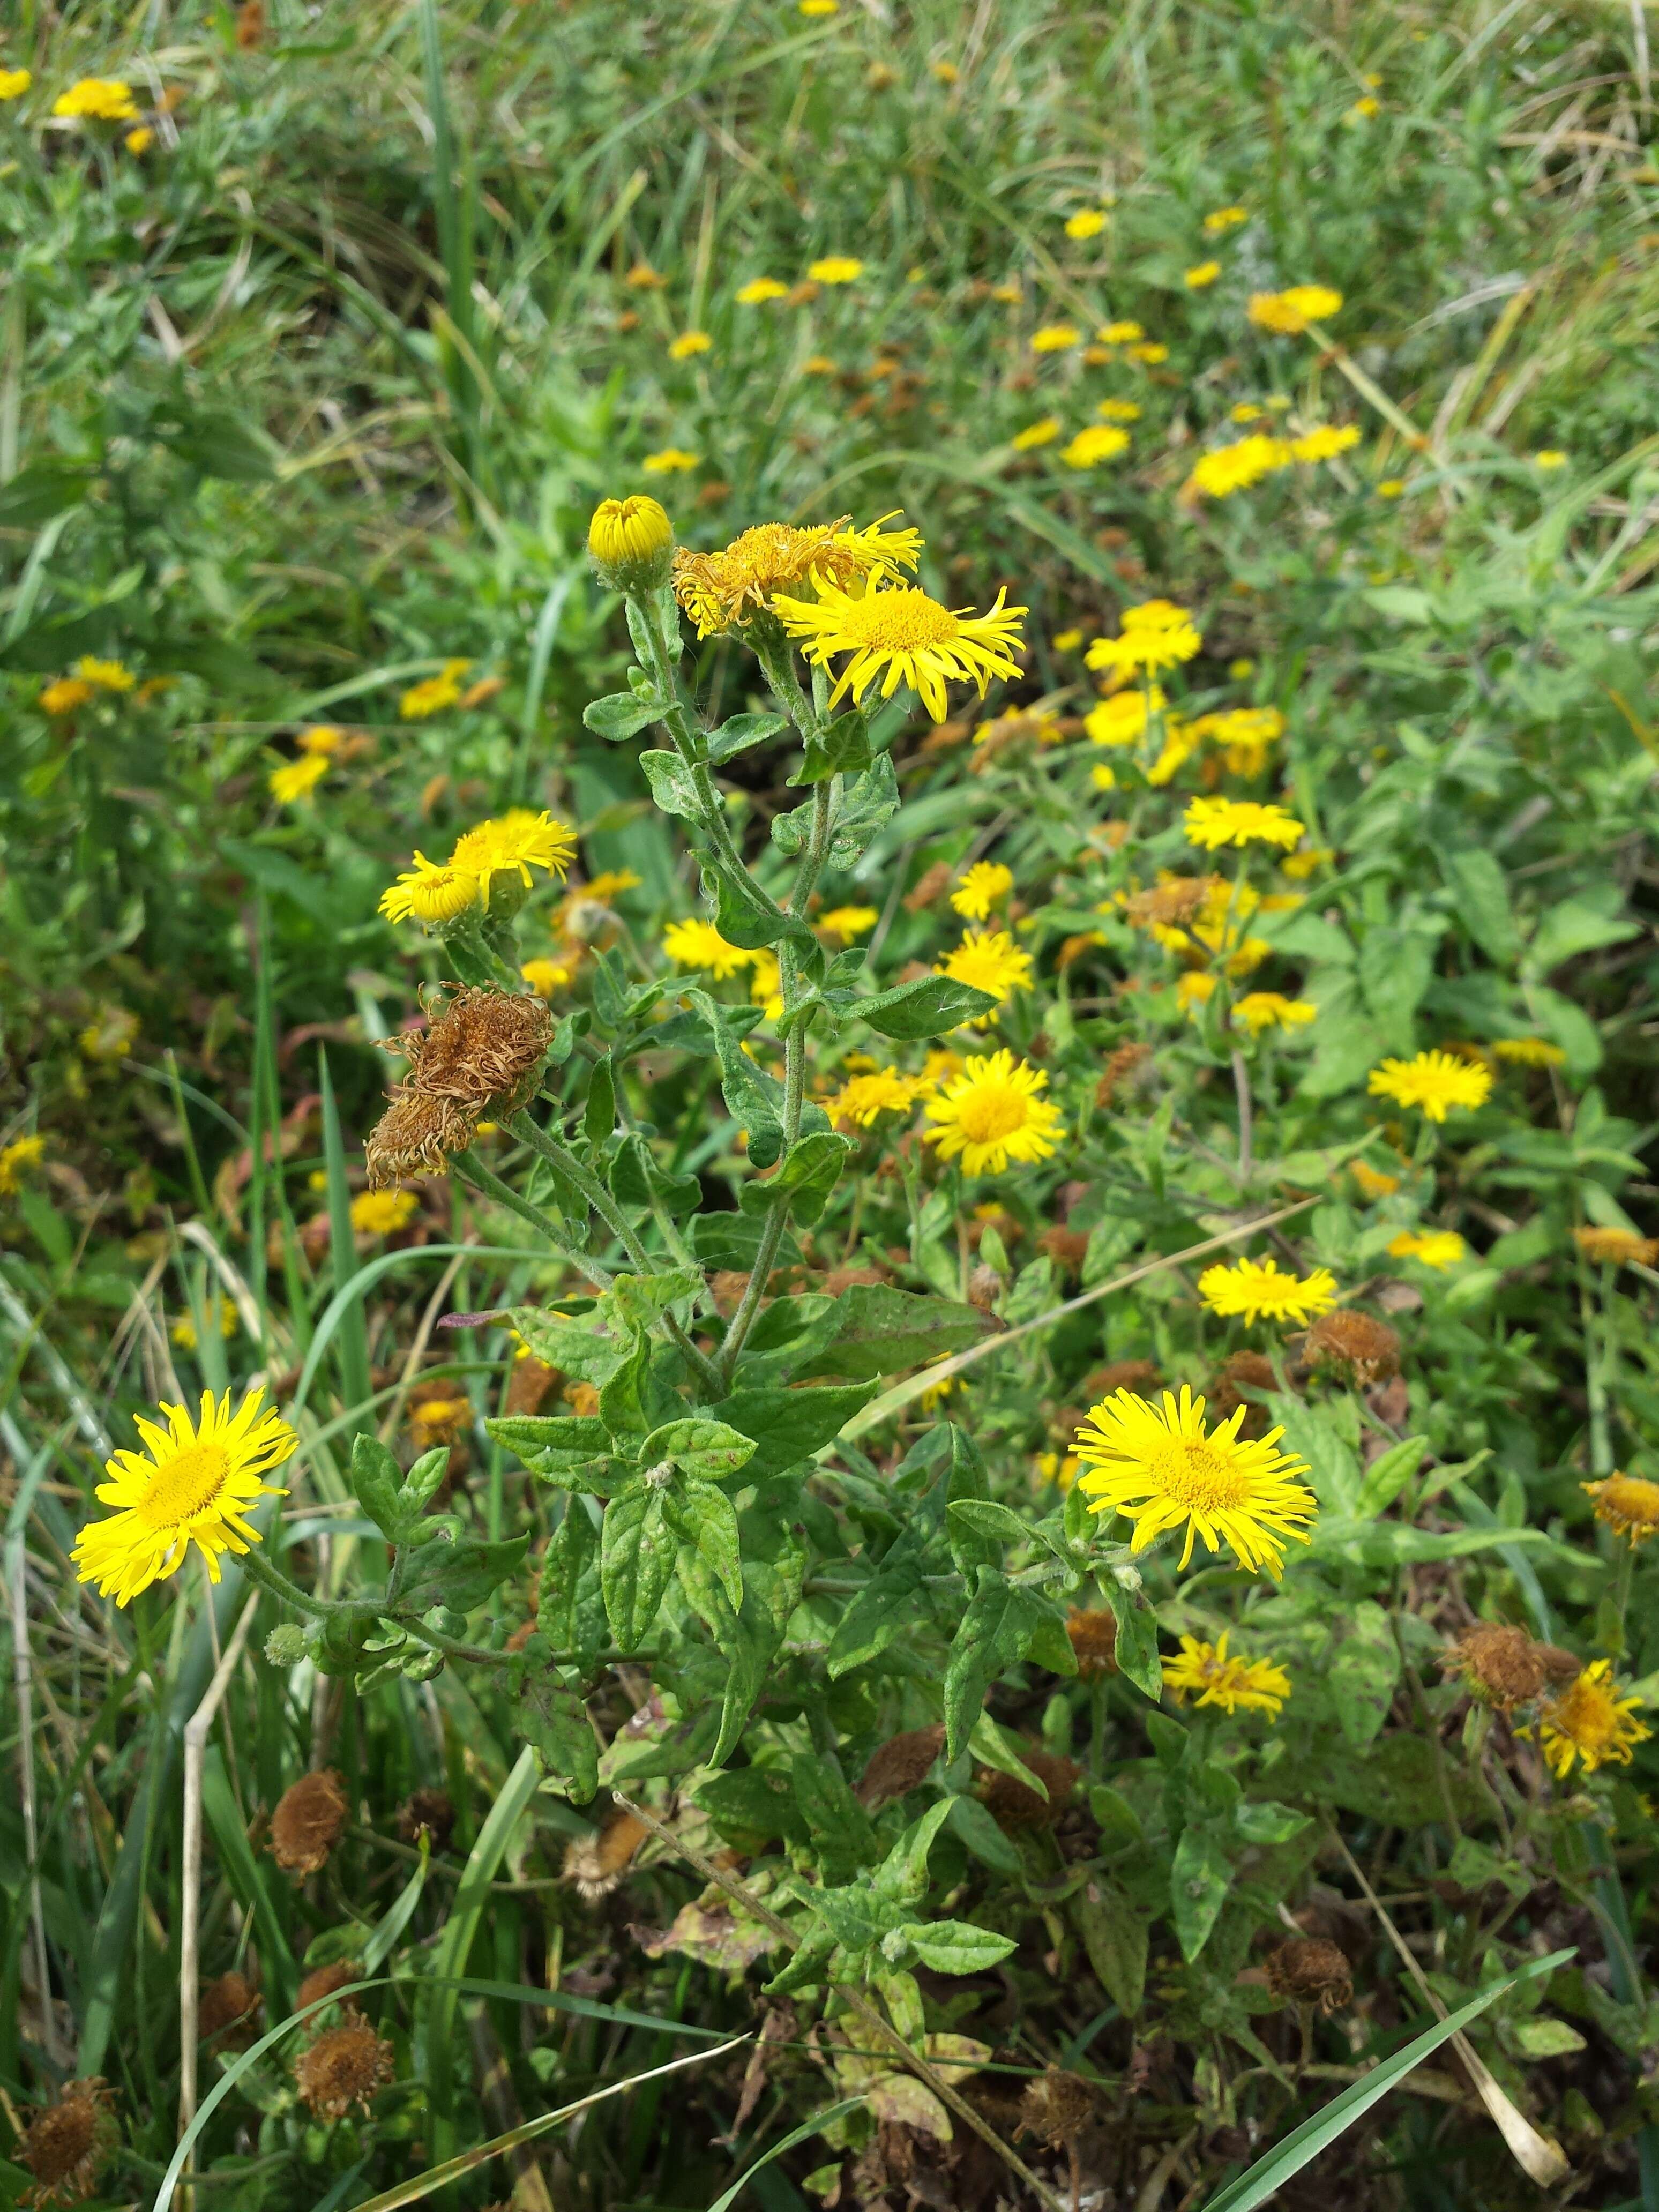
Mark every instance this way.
x=898 y=622
x=1198 y=1478
x=186 y=1486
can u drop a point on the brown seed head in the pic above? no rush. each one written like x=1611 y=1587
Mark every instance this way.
x=897 y=1765
x=984 y=1287
x=1366 y=1349
x=230 y=2001
x=1057 y=2106
x=597 y=1864
x=322 y=1981
x=484 y=1051
x=308 y=1821
x=1128 y=1068
x=1066 y=1248
x=1137 y=1375
x=1167 y=906
x=344 y=2067
x=416 y=1135
x=1309 y=1970
x=1244 y=1370
x=531 y=1382
x=427 y=1809
x=250 y=25
x=67 y=2143
x=1505 y=1667
x=1014 y=1807
x=931 y=886
x=1094 y=1639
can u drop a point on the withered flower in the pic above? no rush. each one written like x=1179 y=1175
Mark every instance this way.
x=309 y=1820
x=416 y=1135
x=1094 y=1639
x=322 y=1981
x=1137 y=1375
x=597 y=1864
x=1057 y=2106
x=67 y=2144
x=898 y=1766
x=1311 y=1971
x=344 y=2067
x=430 y=1809
x=232 y=2002
x=486 y=1048
x=1128 y=1068
x=1014 y=1807
x=1367 y=1349
x=1503 y=1666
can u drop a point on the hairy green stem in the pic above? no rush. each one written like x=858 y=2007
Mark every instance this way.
x=473 y=1170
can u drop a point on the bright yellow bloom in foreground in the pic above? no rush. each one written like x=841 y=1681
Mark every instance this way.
x=383 y=1212
x=1204 y=1673
x=1435 y=1081
x=1629 y=1504
x=669 y=458
x=1434 y=1248
x=1202 y=273
x=1087 y=222
x=727 y=587
x=698 y=944
x=431 y=890
x=628 y=530
x=758 y=290
x=990 y=960
x=1213 y=822
x=13 y=83
x=1094 y=444
x=1590 y=1723
x=1528 y=1052
x=983 y=886
x=901 y=635
x=297 y=779
x=1055 y=337
x=1290 y=313
x=836 y=269
x=862 y=1097
x=1262 y=1010
x=97 y=100
x=687 y=343
x=513 y=844
x=1041 y=433
x=17 y=1158
x=196 y=1487
x=1260 y=1289
x=1163 y=1469
x=1224 y=219
x=993 y=1112
x=433 y=693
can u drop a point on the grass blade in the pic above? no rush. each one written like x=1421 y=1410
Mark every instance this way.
x=799 y=2135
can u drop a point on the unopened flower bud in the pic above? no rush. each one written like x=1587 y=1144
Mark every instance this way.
x=285 y=1645
x=631 y=540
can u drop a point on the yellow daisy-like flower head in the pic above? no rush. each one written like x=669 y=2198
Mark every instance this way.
x=698 y=944
x=1055 y=337
x=13 y=83
x=1204 y=1673
x=1213 y=822
x=544 y=976
x=1161 y=1468
x=1374 y=1183
x=849 y=921
x=689 y=344
x=1236 y=467
x=1224 y=219
x=984 y=887
x=1591 y=1723
x=1266 y=1010
x=1528 y=1052
x=1156 y=635
x=1201 y=274
x=990 y=960
x=510 y=845
x=1550 y=456
x=196 y=1486
x=1118 y=410
x=1259 y=1289
x=1041 y=433
x=297 y=779
x=431 y=891
x=1617 y=1247
x=1628 y=1504
x=1434 y=1248
x=433 y=693
x=1122 y=333
x=1289 y=313
x=995 y=1112
x=97 y=100
x=836 y=269
x=1193 y=991
x=1152 y=354
x=1436 y=1082
x=64 y=694
x=758 y=290
x=1122 y=720
x=321 y=737
x=861 y=1098
x=1094 y=443
x=108 y=674
x=902 y=636
x=139 y=140
x=383 y=1212
x=17 y=1158
x=1087 y=222
x=724 y=589
x=668 y=459
x=1325 y=443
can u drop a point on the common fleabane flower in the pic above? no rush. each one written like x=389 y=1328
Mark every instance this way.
x=1213 y=822
x=1210 y=1676
x=1252 y=1289
x=990 y=960
x=1436 y=1082
x=430 y=891
x=512 y=843
x=698 y=944
x=1266 y=1010
x=196 y=1486
x=1291 y=313
x=995 y=1112
x=1432 y=1248
x=898 y=635
x=724 y=589
x=1591 y=1723
x=984 y=886
x=1161 y=1468
x=97 y=100
x=1159 y=635
x=1628 y=1504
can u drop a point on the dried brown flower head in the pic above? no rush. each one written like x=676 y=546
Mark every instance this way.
x=322 y=1981
x=485 y=1049
x=1503 y=1666
x=1128 y=1068
x=1243 y=1371
x=1137 y=1375
x=1167 y=906
x=1366 y=1348
x=529 y=1385
x=67 y=2143
x=230 y=2002
x=1057 y=2107
x=344 y=2067
x=1066 y=1248
x=1094 y=1639
x=931 y=886
x=427 y=1809
x=1617 y=1247
x=1014 y=1807
x=897 y=1765
x=416 y=1135
x=308 y=1823
x=597 y=1864
x=1309 y=1969
x=250 y=24
x=984 y=1287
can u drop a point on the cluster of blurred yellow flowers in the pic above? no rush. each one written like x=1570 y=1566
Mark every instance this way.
x=508 y=845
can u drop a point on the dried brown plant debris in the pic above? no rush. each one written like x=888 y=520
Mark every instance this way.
x=529 y=1385
x=485 y=1047
x=1014 y=1808
x=1094 y=1639
x=417 y=1135
x=1505 y=1667
x=309 y=1820
x=67 y=2144
x=1057 y=2107
x=597 y=1864
x=1128 y=1068
x=344 y=2067
x=1137 y=1375
x=1311 y=1971
x=1359 y=1346
x=323 y=1981
x=898 y=1766
x=429 y=1810
x=228 y=2003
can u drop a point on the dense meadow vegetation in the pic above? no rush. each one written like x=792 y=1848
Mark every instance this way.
x=827 y=1236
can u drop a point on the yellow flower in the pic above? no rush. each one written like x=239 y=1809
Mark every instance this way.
x=64 y=694
x=108 y=674
x=936 y=1393
x=433 y=693
x=836 y=269
x=600 y=890
x=1374 y=1183
x=946 y=72
x=991 y=961
x=1434 y=1081
x=820 y=6
x=1617 y=1247
x=1213 y=822
x=1200 y=274
x=1300 y=866
x=818 y=364
x=1193 y=991
x=1055 y=337
x=850 y=920
x=759 y=289
x=1043 y=433
x=112 y=1035
x=1528 y=1052
x=321 y=737
x=1590 y=1723
x=196 y=1486
x=97 y=100
x=1262 y=1010
x=1152 y=354
x=668 y=459
x=687 y=343
x=1122 y=720
x=1550 y=458
x=1204 y=1672
x=1118 y=410
x=1120 y=333
x=1094 y=444
x=1628 y=1504
x=546 y=976
x=1220 y=220
x=983 y=886
x=913 y=638
x=1163 y=1469
x=222 y=1316
x=512 y=844
x=139 y=140
x=1290 y=313
x=727 y=588
x=1261 y=1290
x=1245 y=411
x=430 y=891
x=862 y=1097
x=297 y=779
x=1325 y=443
x=1066 y=641
x=1434 y=1248
x=13 y=83
x=1390 y=487
x=698 y=944
x=1233 y=468
x=1154 y=637
x=383 y=1212
x=1103 y=779
x=625 y=532
x=642 y=277
x=1087 y=222
x=993 y=1112
x=18 y=1157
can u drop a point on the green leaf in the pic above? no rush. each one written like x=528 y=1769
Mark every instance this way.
x=702 y=1447
x=867 y=807
x=1388 y=1475
x=1136 y=1649
x=555 y=1719
x=892 y=1602
x=1362 y=1676
x=750 y=1804
x=753 y=1098
x=929 y=1007
x=551 y=1442
x=1477 y=879
x=738 y=731
x=636 y=1558
x=705 y=1519
x=812 y=1167
x=743 y=915
x=902 y=1876
x=620 y=715
x=983 y=1837
x=842 y=746
x=789 y=1426
x=1115 y=1936
x=671 y=784
x=843 y=1831
x=996 y=1628
x=571 y=1593
x=622 y=1396
x=378 y=1480
x=1585 y=924
x=1472 y=1866
x=457 y=1572
x=817 y=2125
x=957 y=1946
x=1205 y=1862
x=878 y=1330
x=1396 y=967
x=1542 y=2039
x=579 y=1347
